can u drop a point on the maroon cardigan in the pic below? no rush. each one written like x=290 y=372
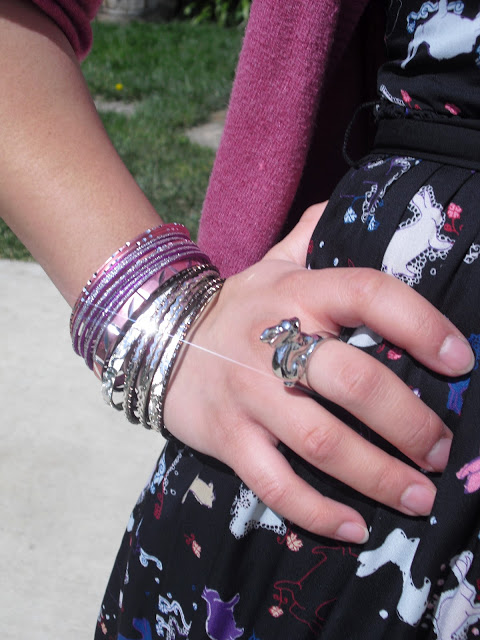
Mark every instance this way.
x=304 y=67
x=73 y=17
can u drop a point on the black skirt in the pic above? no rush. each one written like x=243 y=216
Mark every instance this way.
x=203 y=558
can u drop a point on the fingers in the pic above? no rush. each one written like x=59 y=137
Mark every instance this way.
x=328 y=444
x=398 y=313
x=275 y=483
x=376 y=396
x=355 y=297
x=241 y=416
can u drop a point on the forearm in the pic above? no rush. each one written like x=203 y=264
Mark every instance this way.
x=63 y=189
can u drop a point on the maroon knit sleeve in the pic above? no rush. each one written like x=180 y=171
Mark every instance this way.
x=281 y=78
x=73 y=17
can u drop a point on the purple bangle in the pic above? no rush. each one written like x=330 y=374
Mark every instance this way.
x=149 y=233
x=122 y=289
x=119 y=254
x=92 y=307
x=116 y=298
x=136 y=251
x=116 y=276
x=151 y=267
x=117 y=324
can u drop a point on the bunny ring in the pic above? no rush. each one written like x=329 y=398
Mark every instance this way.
x=293 y=349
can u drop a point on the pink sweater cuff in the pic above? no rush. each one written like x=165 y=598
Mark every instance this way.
x=73 y=17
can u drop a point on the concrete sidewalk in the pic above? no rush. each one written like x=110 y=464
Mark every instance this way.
x=71 y=468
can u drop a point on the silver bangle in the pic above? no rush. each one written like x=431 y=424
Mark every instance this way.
x=161 y=377
x=163 y=334
x=114 y=368
x=144 y=353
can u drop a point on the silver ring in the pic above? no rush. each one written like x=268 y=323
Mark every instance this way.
x=293 y=349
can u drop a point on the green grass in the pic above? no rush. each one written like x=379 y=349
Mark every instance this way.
x=176 y=73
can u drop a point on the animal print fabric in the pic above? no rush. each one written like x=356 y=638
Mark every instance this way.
x=202 y=557
x=417 y=221
x=433 y=51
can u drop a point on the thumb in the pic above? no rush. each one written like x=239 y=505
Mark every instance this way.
x=294 y=246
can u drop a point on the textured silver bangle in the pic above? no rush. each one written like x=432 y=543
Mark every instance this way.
x=142 y=346
x=164 y=334
x=126 y=357
x=161 y=378
x=151 y=345
x=118 y=323
x=129 y=344
x=116 y=362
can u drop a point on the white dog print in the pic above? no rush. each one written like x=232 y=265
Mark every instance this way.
x=417 y=239
x=446 y=34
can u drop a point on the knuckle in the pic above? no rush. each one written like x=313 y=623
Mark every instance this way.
x=426 y=430
x=364 y=286
x=357 y=382
x=386 y=484
x=422 y=322
x=273 y=492
x=291 y=287
x=322 y=445
x=320 y=522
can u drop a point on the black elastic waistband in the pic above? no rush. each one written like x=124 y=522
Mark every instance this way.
x=447 y=143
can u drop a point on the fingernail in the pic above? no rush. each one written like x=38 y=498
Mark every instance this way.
x=352 y=532
x=457 y=354
x=418 y=499
x=438 y=456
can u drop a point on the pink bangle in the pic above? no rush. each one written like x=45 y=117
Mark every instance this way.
x=121 y=253
x=119 y=277
x=164 y=250
x=134 y=313
x=99 y=309
x=116 y=326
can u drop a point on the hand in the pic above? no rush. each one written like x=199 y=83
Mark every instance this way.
x=231 y=406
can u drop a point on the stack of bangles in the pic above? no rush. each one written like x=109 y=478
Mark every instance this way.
x=134 y=313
